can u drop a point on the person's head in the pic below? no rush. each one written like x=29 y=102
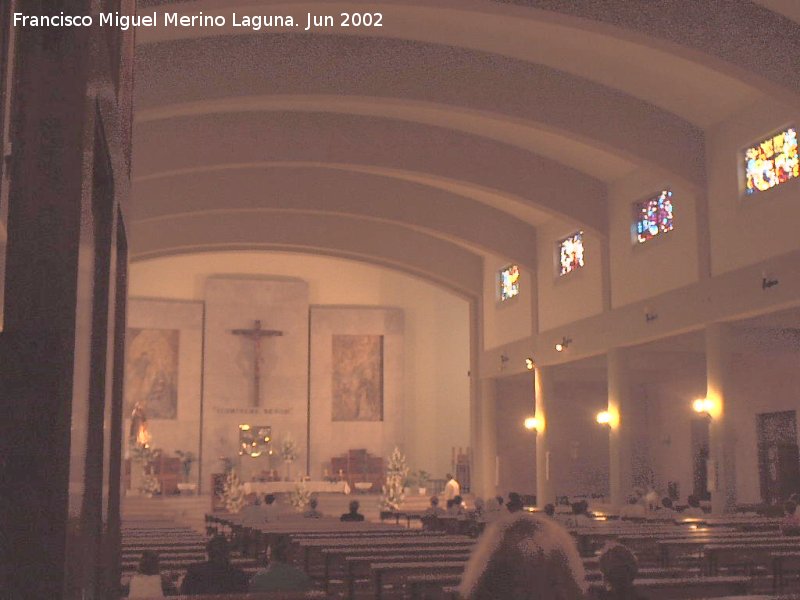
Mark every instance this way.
x=458 y=501
x=633 y=500
x=313 y=503
x=618 y=565
x=354 y=505
x=789 y=507
x=666 y=502
x=693 y=501
x=579 y=507
x=148 y=565
x=514 y=502
x=434 y=501
x=500 y=500
x=218 y=550
x=279 y=549
x=448 y=477
x=525 y=557
x=269 y=499
x=549 y=509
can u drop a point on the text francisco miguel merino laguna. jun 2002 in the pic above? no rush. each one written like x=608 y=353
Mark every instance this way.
x=254 y=22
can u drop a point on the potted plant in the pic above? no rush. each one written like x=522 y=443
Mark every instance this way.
x=423 y=478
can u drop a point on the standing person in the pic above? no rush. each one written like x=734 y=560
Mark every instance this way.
x=216 y=575
x=451 y=488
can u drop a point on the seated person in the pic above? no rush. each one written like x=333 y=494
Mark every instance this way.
x=632 y=510
x=522 y=556
x=455 y=507
x=694 y=509
x=666 y=509
x=619 y=567
x=216 y=575
x=514 y=503
x=312 y=512
x=434 y=510
x=353 y=515
x=580 y=515
x=279 y=575
x=550 y=509
x=791 y=521
x=148 y=582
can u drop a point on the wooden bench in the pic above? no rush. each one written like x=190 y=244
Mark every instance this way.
x=748 y=555
x=394 y=572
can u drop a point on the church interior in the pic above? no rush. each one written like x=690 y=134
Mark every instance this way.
x=547 y=247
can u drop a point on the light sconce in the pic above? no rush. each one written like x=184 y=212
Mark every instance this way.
x=604 y=417
x=529 y=364
x=532 y=423
x=650 y=316
x=768 y=282
x=503 y=361
x=703 y=405
x=563 y=344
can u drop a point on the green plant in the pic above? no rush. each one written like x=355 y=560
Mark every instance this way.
x=393 y=493
x=232 y=492
x=300 y=497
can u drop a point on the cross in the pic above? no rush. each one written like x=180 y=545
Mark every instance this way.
x=255 y=334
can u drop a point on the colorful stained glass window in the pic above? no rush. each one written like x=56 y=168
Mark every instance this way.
x=653 y=216
x=571 y=253
x=772 y=162
x=509 y=282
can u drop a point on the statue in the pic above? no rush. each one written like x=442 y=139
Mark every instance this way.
x=138 y=434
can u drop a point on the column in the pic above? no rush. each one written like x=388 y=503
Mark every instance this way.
x=486 y=441
x=722 y=450
x=544 y=390
x=620 y=399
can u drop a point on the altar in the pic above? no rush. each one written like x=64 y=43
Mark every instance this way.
x=287 y=487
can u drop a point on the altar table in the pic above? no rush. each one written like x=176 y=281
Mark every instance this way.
x=286 y=487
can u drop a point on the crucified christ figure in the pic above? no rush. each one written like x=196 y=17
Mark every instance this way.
x=256 y=334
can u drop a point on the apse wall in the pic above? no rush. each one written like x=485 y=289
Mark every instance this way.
x=437 y=346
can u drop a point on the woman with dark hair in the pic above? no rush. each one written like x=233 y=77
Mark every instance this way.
x=148 y=582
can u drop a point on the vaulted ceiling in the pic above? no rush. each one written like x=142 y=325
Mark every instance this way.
x=448 y=134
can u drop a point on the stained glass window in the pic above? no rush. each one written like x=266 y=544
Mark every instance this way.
x=571 y=253
x=509 y=282
x=772 y=161
x=653 y=216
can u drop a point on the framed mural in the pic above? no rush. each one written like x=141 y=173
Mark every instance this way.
x=357 y=392
x=151 y=372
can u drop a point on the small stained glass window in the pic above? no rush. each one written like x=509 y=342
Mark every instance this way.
x=570 y=251
x=653 y=216
x=509 y=282
x=772 y=161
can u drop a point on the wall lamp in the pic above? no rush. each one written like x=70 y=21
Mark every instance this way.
x=533 y=423
x=562 y=345
x=529 y=364
x=503 y=361
x=767 y=282
x=607 y=417
x=703 y=405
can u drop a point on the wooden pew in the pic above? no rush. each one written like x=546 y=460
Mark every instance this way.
x=668 y=547
x=314 y=595
x=748 y=555
x=685 y=588
x=394 y=572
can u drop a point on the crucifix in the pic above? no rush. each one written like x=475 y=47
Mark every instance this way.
x=255 y=334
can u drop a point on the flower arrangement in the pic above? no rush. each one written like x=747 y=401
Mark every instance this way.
x=187 y=458
x=393 y=493
x=150 y=485
x=300 y=497
x=232 y=492
x=288 y=450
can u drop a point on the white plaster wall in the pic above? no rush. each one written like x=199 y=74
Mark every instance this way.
x=749 y=229
x=511 y=320
x=334 y=438
x=181 y=433
x=437 y=337
x=666 y=262
x=576 y=295
x=228 y=395
x=516 y=446
x=763 y=383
